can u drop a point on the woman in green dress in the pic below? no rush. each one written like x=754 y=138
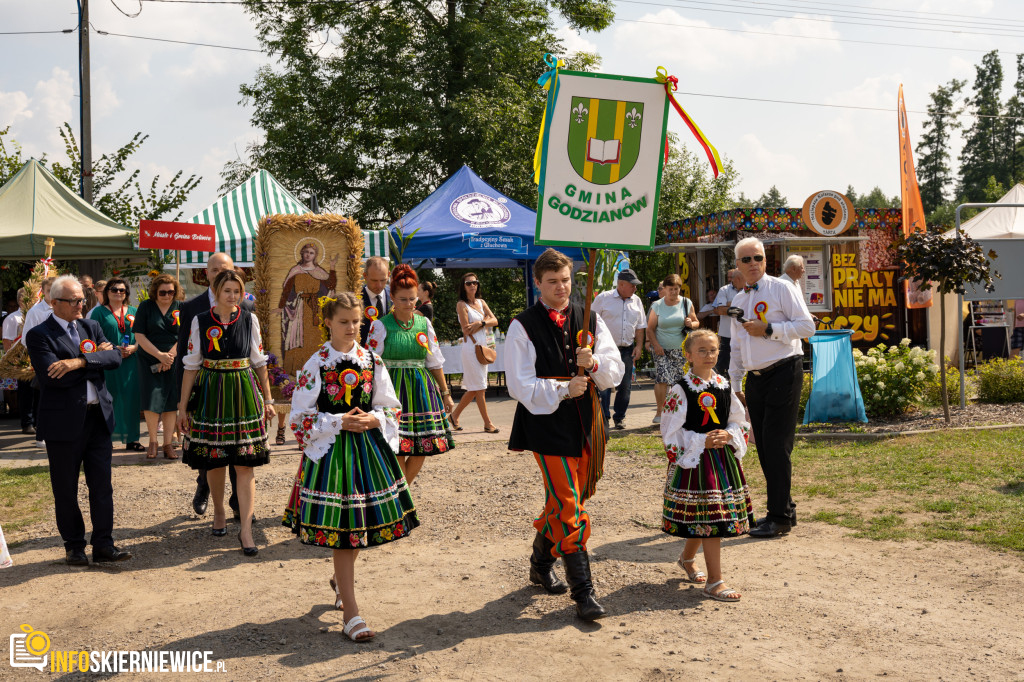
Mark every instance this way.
x=156 y=330
x=116 y=318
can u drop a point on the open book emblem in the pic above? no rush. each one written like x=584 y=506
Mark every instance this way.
x=604 y=138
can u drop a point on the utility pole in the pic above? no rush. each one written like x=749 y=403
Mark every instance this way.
x=86 y=99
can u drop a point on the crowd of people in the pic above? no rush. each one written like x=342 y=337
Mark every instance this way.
x=372 y=404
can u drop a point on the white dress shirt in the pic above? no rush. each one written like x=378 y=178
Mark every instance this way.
x=35 y=316
x=11 y=325
x=786 y=278
x=375 y=342
x=316 y=437
x=194 y=356
x=377 y=300
x=92 y=396
x=779 y=304
x=542 y=396
x=725 y=297
x=622 y=316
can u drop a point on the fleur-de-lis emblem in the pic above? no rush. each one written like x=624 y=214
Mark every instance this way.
x=579 y=112
x=633 y=117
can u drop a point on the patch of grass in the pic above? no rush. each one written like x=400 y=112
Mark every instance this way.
x=25 y=496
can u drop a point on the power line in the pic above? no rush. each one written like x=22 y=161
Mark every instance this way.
x=27 y=33
x=178 y=42
x=903 y=11
x=812 y=8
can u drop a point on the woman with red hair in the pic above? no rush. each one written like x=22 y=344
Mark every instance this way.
x=408 y=346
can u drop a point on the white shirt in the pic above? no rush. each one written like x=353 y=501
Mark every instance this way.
x=542 y=396
x=316 y=435
x=786 y=278
x=91 y=395
x=623 y=316
x=35 y=316
x=783 y=307
x=375 y=342
x=376 y=300
x=194 y=356
x=11 y=324
x=725 y=296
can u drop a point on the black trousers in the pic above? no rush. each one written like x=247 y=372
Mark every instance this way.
x=25 y=403
x=724 y=355
x=773 y=400
x=233 y=500
x=91 y=452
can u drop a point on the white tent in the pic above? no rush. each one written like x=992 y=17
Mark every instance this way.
x=997 y=223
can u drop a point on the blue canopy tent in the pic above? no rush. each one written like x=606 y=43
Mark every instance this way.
x=467 y=223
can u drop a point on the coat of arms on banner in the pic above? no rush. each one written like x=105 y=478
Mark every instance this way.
x=604 y=138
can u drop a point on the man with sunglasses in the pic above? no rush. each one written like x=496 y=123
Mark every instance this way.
x=76 y=419
x=215 y=264
x=766 y=347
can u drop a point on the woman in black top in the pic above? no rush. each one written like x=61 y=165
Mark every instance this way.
x=425 y=292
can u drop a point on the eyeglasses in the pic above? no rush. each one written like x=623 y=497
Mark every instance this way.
x=473 y=283
x=706 y=353
x=746 y=259
x=73 y=302
x=118 y=290
x=166 y=292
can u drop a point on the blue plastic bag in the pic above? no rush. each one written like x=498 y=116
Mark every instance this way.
x=835 y=393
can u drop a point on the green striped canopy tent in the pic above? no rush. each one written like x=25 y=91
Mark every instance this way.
x=237 y=215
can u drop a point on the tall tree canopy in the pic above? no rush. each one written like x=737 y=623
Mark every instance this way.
x=374 y=104
x=982 y=155
x=933 y=171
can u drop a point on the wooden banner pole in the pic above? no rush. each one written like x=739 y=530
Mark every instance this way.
x=590 y=297
x=177 y=266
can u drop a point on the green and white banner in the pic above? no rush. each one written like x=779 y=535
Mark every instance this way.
x=601 y=160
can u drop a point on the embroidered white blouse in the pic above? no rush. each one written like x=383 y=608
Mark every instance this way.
x=316 y=431
x=375 y=341
x=684 y=447
x=194 y=355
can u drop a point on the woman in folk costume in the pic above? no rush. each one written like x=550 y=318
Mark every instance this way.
x=408 y=345
x=559 y=419
x=350 y=492
x=224 y=409
x=706 y=495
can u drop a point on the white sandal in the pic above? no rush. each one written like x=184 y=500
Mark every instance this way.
x=722 y=595
x=337 y=595
x=694 y=576
x=357 y=626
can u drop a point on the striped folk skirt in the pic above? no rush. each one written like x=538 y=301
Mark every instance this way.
x=226 y=425
x=354 y=496
x=708 y=501
x=423 y=427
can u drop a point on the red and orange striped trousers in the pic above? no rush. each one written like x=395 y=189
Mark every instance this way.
x=565 y=520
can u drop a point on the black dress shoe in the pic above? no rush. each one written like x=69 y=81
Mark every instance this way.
x=109 y=554
x=219 y=532
x=619 y=426
x=761 y=522
x=247 y=551
x=27 y=429
x=770 y=529
x=201 y=498
x=76 y=557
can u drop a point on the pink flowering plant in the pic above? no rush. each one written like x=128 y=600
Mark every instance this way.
x=892 y=378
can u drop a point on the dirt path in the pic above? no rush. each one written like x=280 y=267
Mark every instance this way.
x=452 y=601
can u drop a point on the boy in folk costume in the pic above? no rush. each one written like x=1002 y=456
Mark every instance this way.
x=559 y=419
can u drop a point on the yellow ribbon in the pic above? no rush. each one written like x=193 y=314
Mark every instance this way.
x=548 y=81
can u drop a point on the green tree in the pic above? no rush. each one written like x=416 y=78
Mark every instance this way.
x=933 y=172
x=876 y=199
x=773 y=198
x=374 y=104
x=982 y=156
x=1013 y=129
x=11 y=157
x=852 y=195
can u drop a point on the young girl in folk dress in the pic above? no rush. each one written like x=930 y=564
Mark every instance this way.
x=706 y=496
x=350 y=492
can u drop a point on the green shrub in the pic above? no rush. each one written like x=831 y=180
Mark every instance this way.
x=1001 y=381
x=892 y=378
x=805 y=393
x=932 y=393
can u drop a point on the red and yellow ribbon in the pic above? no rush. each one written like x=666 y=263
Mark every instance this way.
x=760 y=309
x=87 y=346
x=371 y=312
x=708 y=403
x=177 y=317
x=671 y=85
x=589 y=342
x=213 y=334
x=349 y=379
x=548 y=81
x=421 y=338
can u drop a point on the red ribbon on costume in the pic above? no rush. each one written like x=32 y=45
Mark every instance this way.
x=671 y=85
x=349 y=379
x=213 y=334
x=557 y=317
x=88 y=346
x=708 y=403
x=421 y=338
x=371 y=312
x=760 y=309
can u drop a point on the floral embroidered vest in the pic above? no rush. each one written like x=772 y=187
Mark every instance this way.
x=401 y=344
x=705 y=405
x=336 y=378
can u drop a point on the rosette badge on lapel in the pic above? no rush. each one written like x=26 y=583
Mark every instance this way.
x=589 y=343
x=708 y=403
x=371 y=312
x=349 y=379
x=177 y=317
x=760 y=309
x=421 y=338
x=87 y=346
x=214 y=334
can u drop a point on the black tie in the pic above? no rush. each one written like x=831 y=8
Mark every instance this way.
x=73 y=331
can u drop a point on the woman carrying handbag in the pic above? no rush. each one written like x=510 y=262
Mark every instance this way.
x=478 y=323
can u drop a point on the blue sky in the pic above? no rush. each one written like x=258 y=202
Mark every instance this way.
x=186 y=97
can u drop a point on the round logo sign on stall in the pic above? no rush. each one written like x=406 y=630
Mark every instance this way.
x=828 y=213
x=480 y=210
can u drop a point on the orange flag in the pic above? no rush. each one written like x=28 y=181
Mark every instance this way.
x=913 y=211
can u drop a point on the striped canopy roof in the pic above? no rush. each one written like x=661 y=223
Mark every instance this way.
x=237 y=215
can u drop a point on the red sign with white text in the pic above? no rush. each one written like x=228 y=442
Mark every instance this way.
x=161 y=234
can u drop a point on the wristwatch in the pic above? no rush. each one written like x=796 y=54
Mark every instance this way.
x=768 y=331
x=446 y=393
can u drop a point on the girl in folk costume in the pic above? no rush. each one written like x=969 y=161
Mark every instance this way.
x=350 y=492
x=223 y=411
x=408 y=345
x=706 y=496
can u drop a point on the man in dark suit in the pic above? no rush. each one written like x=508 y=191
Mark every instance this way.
x=76 y=418
x=376 y=298
x=217 y=263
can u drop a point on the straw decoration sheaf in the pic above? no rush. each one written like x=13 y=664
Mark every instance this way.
x=269 y=273
x=15 y=363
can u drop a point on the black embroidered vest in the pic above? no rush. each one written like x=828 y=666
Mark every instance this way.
x=717 y=401
x=234 y=340
x=333 y=381
x=563 y=432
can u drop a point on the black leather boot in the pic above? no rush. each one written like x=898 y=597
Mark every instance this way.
x=542 y=566
x=577 y=572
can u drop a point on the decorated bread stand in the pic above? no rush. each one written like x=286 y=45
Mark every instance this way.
x=835 y=393
x=14 y=364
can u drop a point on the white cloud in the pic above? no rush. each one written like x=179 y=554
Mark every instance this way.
x=34 y=118
x=13 y=106
x=573 y=41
